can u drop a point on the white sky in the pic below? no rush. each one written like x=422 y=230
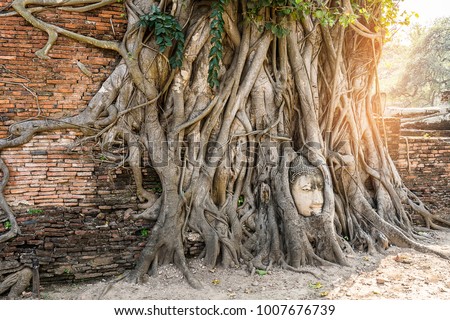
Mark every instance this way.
x=428 y=10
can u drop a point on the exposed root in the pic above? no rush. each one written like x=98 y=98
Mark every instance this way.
x=429 y=218
x=300 y=270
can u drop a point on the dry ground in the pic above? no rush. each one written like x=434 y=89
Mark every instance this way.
x=399 y=274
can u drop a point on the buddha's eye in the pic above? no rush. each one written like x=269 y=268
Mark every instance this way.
x=306 y=188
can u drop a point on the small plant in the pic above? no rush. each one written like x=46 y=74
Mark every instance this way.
x=144 y=232
x=240 y=201
x=103 y=157
x=261 y=272
x=316 y=285
x=7 y=225
x=157 y=188
x=67 y=271
x=35 y=211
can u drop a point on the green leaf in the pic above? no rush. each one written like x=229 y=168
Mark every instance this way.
x=216 y=52
x=316 y=285
x=319 y=14
x=286 y=11
x=261 y=272
x=159 y=31
x=7 y=225
x=167 y=31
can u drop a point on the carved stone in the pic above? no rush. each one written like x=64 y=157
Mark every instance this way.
x=306 y=183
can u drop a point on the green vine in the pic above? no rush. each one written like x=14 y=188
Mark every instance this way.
x=216 y=52
x=167 y=29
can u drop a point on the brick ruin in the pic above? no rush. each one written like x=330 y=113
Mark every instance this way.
x=423 y=160
x=70 y=205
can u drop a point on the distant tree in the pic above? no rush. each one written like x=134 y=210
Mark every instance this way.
x=392 y=63
x=427 y=72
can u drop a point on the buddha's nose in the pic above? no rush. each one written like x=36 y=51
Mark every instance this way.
x=317 y=198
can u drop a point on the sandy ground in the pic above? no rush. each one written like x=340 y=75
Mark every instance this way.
x=398 y=274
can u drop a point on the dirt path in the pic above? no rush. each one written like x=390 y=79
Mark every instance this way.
x=400 y=274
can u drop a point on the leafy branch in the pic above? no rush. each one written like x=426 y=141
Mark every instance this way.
x=216 y=52
x=167 y=29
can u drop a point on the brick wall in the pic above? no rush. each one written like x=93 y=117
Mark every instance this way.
x=44 y=173
x=428 y=171
x=72 y=245
x=69 y=205
x=58 y=83
x=423 y=160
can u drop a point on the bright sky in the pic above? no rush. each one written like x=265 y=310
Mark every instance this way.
x=428 y=10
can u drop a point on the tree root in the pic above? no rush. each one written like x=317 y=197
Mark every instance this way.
x=300 y=270
x=429 y=219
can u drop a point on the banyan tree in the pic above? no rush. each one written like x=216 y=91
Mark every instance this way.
x=259 y=118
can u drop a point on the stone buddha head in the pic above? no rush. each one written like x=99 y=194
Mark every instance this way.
x=306 y=184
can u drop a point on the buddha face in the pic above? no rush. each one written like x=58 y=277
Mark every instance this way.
x=307 y=192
